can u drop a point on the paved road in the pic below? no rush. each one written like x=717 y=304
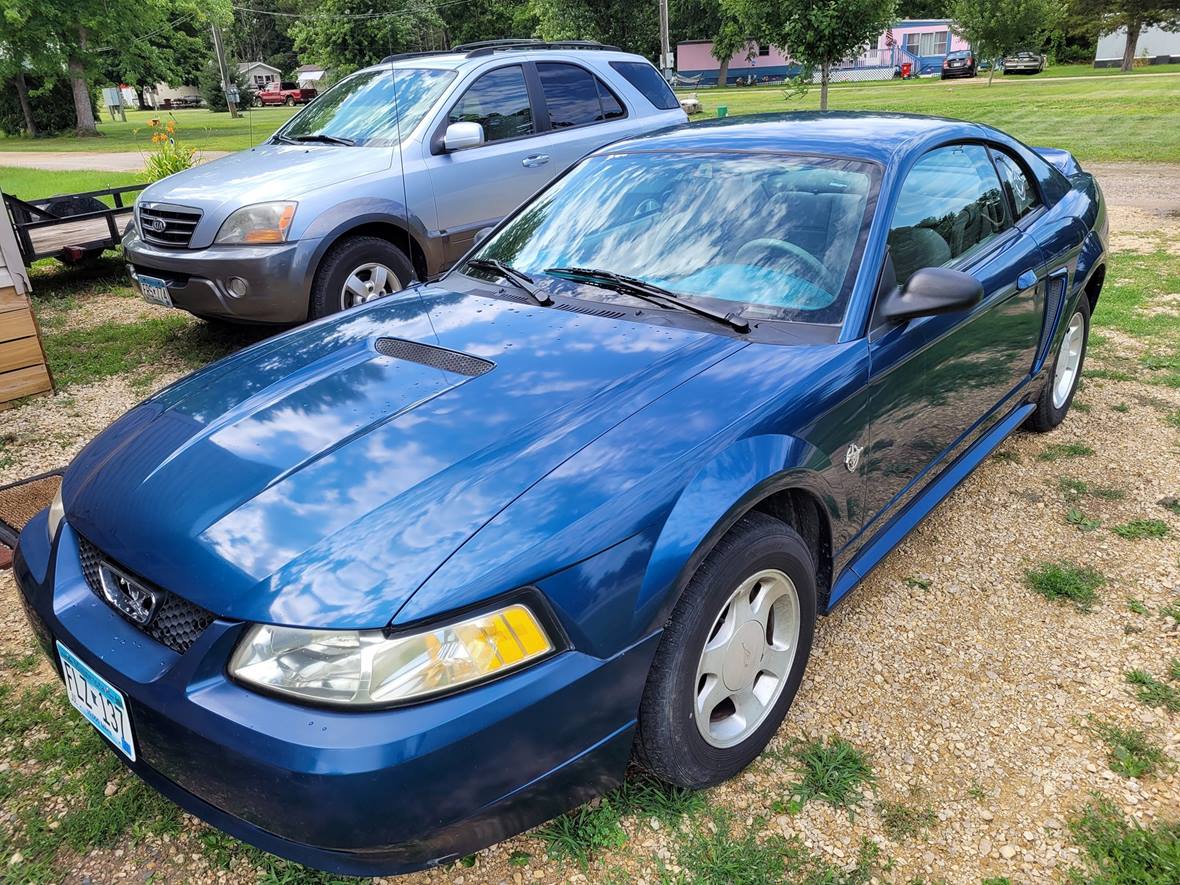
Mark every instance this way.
x=58 y=161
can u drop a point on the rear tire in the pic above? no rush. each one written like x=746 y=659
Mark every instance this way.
x=1065 y=373
x=289 y=102
x=686 y=737
x=344 y=260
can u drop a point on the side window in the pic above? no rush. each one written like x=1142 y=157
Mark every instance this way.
x=1024 y=194
x=648 y=81
x=950 y=205
x=498 y=101
x=576 y=97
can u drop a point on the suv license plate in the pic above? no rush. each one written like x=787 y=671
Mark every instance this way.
x=154 y=291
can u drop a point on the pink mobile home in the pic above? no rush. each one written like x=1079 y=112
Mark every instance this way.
x=922 y=43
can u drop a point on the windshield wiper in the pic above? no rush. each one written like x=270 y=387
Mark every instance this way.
x=326 y=139
x=283 y=139
x=522 y=281
x=648 y=292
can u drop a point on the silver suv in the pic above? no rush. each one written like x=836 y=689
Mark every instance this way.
x=385 y=178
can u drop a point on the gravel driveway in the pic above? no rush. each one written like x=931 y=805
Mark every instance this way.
x=971 y=694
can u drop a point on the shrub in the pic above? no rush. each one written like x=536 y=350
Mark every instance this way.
x=52 y=103
x=167 y=155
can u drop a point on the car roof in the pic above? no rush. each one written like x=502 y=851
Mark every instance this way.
x=454 y=61
x=860 y=135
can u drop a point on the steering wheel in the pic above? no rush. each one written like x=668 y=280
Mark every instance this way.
x=815 y=271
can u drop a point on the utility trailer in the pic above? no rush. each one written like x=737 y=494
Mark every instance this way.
x=71 y=227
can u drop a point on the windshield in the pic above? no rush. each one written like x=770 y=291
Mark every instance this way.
x=364 y=108
x=778 y=234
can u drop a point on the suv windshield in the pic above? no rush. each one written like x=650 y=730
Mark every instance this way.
x=778 y=234
x=365 y=108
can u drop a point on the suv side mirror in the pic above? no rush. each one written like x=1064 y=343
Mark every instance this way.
x=930 y=291
x=462 y=135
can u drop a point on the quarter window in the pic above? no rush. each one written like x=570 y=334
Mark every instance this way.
x=950 y=206
x=649 y=82
x=1024 y=195
x=576 y=97
x=499 y=102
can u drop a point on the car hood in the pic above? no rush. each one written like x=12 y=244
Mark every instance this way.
x=312 y=480
x=266 y=172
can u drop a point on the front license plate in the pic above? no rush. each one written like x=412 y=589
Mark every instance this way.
x=154 y=291
x=99 y=701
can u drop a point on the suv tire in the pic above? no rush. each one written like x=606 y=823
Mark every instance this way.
x=350 y=257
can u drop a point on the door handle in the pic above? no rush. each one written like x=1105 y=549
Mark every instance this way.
x=535 y=160
x=1026 y=280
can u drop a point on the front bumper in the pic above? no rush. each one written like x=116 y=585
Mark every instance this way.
x=277 y=278
x=362 y=793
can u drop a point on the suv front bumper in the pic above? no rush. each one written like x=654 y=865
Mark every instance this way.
x=277 y=278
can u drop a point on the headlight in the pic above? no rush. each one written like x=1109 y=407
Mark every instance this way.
x=260 y=223
x=366 y=667
x=57 y=512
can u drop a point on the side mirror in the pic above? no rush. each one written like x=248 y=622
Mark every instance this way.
x=930 y=291
x=482 y=234
x=462 y=135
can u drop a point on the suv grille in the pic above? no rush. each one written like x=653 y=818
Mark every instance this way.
x=176 y=623
x=167 y=225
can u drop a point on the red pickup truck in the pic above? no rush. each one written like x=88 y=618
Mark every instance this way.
x=283 y=93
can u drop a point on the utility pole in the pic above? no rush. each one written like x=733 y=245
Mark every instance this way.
x=226 y=83
x=665 y=47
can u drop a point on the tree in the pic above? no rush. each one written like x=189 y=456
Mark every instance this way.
x=209 y=83
x=477 y=20
x=995 y=28
x=1109 y=16
x=815 y=33
x=617 y=22
x=730 y=39
x=347 y=34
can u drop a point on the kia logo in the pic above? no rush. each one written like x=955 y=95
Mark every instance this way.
x=156 y=224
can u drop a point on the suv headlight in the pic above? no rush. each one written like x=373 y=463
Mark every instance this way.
x=260 y=223
x=57 y=512
x=367 y=668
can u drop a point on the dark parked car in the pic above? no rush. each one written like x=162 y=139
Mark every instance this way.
x=1024 y=62
x=379 y=591
x=960 y=63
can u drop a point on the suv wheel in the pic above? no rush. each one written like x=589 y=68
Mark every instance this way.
x=358 y=270
x=731 y=657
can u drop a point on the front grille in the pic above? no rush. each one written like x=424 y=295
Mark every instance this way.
x=177 y=623
x=435 y=357
x=167 y=225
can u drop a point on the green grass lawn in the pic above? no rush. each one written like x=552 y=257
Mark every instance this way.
x=200 y=128
x=33 y=184
x=1097 y=117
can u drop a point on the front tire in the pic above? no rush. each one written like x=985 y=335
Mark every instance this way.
x=1062 y=383
x=731 y=657
x=357 y=270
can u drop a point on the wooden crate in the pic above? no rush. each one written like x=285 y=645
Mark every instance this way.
x=23 y=371
x=22 y=360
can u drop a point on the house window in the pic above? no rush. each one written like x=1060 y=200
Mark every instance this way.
x=928 y=43
x=764 y=51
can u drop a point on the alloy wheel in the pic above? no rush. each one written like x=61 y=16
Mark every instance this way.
x=747 y=658
x=1069 y=360
x=368 y=282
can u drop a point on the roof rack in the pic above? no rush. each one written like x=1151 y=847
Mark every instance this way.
x=488 y=47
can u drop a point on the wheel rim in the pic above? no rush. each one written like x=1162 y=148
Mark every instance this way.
x=368 y=282
x=1069 y=360
x=747 y=658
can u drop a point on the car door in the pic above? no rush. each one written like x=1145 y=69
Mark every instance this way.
x=937 y=382
x=477 y=186
x=582 y=112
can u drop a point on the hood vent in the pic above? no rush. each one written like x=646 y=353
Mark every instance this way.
x=591 y=311
x=435 y=357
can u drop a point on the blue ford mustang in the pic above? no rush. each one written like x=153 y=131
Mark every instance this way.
x=382 y=590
